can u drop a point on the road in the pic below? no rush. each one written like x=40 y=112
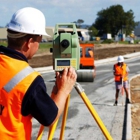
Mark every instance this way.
x=80 y=124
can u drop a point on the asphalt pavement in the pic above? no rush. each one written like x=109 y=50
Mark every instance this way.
x=128 y=107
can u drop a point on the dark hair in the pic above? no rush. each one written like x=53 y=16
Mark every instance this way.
x=17 y=43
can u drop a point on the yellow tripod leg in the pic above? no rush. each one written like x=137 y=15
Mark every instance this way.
x=93 y=112
x=64 y=118
x=53 y=127
x=52 y=130
x=40 y=132
x=96 y=117
x=91 y=109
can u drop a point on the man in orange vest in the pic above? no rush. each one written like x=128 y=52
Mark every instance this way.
x=23 y=93
x=121 y=70
x=90 y=51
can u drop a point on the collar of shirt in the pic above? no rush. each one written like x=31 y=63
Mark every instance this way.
x=12 y=53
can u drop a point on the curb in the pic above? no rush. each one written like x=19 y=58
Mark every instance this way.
x=44 y=69
x=129 y=125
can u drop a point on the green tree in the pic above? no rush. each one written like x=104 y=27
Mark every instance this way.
x=78 y=23
x=114 y=19
x=93 y=31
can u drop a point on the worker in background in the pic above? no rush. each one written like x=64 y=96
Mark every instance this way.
x=121 y=70
x=90 y=52
x=23 y=93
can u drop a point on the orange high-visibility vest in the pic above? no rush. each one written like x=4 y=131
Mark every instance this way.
x=15 y=78
x=120 y=70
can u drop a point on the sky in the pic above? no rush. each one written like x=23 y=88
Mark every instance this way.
x=66 y=11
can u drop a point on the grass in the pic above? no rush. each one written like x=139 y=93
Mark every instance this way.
x=3 y=43
x=43 y=47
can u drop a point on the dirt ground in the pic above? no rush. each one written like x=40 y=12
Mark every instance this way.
x=101 y=52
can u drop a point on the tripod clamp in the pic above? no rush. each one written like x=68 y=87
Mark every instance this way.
x=78 y=88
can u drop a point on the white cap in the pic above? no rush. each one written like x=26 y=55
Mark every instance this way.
x=120 y=59
x=28 y=20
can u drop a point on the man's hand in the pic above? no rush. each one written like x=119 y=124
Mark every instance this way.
x=66 y=80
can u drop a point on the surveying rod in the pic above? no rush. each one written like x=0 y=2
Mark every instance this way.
x=81 y=92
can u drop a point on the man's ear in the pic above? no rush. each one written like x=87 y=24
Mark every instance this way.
x=27 y=44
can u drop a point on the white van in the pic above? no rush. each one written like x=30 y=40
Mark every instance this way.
x=83 y=34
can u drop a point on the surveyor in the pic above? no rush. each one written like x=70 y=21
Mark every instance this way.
x=120 y=70
x=23 y=93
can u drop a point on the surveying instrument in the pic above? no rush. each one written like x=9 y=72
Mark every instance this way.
x=66 y=52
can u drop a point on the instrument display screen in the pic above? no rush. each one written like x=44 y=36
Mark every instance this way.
x=63 y=62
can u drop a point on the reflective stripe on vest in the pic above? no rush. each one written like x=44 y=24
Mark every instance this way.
x=17 y=78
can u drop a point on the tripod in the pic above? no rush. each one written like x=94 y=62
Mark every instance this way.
x=81 y=92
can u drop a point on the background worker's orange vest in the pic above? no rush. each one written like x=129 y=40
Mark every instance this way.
x=15 y=78
x=120 y=70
